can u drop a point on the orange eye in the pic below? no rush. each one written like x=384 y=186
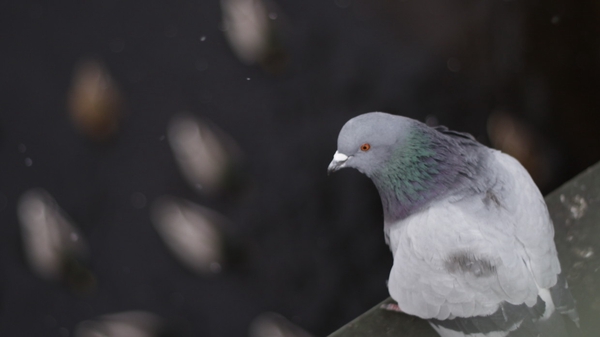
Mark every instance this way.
x=365 y=147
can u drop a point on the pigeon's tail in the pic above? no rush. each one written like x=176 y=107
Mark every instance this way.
x=546 y=318
x=552 y=326
x=508 y=321
x=563 y=300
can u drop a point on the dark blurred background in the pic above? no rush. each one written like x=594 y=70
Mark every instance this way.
x=521 y=76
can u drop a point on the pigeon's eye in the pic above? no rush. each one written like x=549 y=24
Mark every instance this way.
x=365 y=147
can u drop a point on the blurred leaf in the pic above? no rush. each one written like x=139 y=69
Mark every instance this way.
x=193 y=233
x=95 y=103
x=54 y=247
x=207 y=157
x=253 y=36
x=274 y=325
x=125 y=324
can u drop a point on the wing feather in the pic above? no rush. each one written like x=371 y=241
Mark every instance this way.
x=511 y=238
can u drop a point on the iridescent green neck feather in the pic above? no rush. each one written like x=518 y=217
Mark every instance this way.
x=419 y=170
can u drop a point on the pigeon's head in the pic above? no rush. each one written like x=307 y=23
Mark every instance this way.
x=368 y=141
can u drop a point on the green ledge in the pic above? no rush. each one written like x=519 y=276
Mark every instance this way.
x=575 y=210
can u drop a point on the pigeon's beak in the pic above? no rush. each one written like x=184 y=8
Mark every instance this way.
x=338 y=162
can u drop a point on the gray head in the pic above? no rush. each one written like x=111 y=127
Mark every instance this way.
x=367 y=141
x=409 y=162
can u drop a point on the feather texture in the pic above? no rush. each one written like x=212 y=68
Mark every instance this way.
x=466 y=255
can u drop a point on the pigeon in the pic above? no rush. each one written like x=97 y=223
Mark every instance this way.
x=470 y=233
